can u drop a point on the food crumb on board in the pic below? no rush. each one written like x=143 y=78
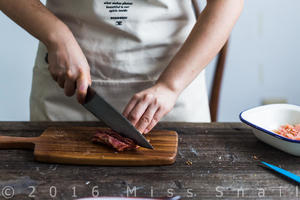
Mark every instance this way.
x=188 y=162
x=255 y=157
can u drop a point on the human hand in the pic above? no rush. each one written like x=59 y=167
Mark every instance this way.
x=69 y=68
x=147 y=107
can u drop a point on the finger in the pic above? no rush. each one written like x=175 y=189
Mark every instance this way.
x=138 y=110
x=54 y=77
x=52 y=74
x=82 y=84
x=61 y=81
x=89 y=79
x=69 y=87
x=147 y=117
x=133 y=101
x=157 y=116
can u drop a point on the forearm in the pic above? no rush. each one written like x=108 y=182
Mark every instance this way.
x=209 y=34
x=34 y=17
x=67 y=64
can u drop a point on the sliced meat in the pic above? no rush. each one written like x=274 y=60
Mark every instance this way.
x=114 y=139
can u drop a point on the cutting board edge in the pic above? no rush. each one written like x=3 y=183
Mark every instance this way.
x=72 y=161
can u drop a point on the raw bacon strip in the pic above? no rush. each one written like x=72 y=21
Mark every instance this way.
x=114 y=139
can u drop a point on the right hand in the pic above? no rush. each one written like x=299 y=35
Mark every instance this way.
x=69 y=68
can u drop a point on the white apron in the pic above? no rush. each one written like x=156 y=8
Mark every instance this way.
x=128 y=43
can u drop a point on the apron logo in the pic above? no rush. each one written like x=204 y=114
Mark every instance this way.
x=118 y=10
x=119 y=23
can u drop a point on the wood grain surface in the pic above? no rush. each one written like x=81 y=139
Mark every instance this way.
x=72 y=145
x=224 y=156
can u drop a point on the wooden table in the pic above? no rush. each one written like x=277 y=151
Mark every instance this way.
x=217 y=160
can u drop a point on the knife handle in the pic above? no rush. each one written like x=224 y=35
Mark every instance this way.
x=7 y=142
x=46 y=58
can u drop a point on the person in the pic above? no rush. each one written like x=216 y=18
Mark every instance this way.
x=145 y=57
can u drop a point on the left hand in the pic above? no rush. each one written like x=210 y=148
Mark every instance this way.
x=147 y=107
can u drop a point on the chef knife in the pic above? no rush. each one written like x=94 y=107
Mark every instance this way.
x=111 y=117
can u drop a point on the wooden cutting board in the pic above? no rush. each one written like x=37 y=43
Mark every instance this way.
x=73 y=146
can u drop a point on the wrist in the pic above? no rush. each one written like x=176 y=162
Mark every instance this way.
x=60 y=36
x=168 y=85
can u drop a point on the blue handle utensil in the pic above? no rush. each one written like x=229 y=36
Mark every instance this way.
x=283 y=172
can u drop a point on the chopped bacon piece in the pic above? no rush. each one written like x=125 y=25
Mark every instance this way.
x=289 y=131
x=114 y=139
x=297 y=127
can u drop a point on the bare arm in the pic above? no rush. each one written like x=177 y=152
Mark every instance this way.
x=205 y=41
x=67 y=64
x=209 y=34
x=34 y=17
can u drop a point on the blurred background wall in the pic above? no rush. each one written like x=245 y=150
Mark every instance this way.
x=262 y=65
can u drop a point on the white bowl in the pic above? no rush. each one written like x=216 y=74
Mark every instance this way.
x=270 y=117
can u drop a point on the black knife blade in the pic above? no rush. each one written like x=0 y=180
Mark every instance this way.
x=112 y=118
